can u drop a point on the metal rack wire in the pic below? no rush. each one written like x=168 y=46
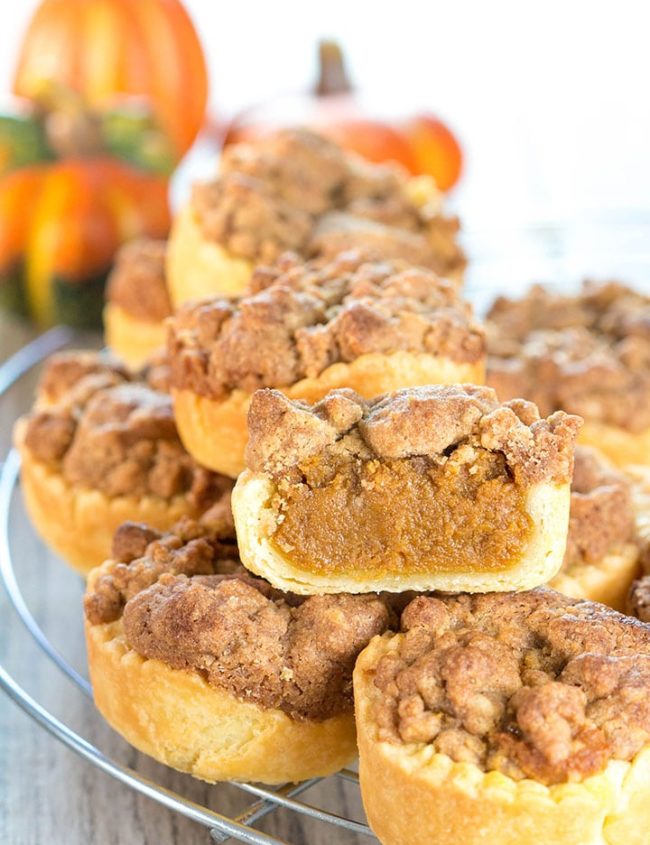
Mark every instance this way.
x=222 y=828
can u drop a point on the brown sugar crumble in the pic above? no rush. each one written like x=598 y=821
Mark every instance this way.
x=418 y=422
x=187 y=601
x=141 y=554
x=339 y=465
x=258 y=647
x=109 y=431
x=533 y=685
x=64 y=370
x=296 y=190
x=602 y=513
x=588 y=353
x=300 y=319
x=137 y=282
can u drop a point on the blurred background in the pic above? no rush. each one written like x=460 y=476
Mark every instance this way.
x=548 y=103
x=548 y=99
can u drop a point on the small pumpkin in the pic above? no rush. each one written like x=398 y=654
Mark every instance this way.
x=422 y=143
x=60 y=225
x=105 y=48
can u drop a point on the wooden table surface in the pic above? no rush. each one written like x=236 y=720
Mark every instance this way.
x=49 y=795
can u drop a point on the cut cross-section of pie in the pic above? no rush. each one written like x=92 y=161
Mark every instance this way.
x=430 y=488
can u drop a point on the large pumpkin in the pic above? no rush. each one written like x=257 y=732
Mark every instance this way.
x=104 y=48
x=60 y=225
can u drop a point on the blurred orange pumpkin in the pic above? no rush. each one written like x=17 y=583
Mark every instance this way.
x=60 y=225
x=106 y=48
x=423 y=144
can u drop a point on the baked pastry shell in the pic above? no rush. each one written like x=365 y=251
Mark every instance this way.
x=134 y=341
x=215 y=431
x=177 y=718
x=78 y=523
x=197 y=267
x=415 y=796
x=540 y=559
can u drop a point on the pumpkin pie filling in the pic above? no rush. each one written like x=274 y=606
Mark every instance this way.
x=418 y=487
x=463 y=514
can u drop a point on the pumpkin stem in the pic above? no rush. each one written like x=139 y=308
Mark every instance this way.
x=332 y=76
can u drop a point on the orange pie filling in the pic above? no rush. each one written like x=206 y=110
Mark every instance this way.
x=438 y=487
x=403 y=516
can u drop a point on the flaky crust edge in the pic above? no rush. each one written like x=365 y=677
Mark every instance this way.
x=177 y=718
x=78 y=523
x=196 y=267
x=215 y=431
x=547 y=503
x=413 y=796
x=134 y=341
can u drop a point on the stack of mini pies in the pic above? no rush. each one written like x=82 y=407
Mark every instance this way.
x=310 y=530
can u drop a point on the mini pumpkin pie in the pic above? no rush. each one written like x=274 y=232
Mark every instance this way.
x=137 y=302
x=513 y=718
x=588 y=354
x=212 y=671
x=430 y=488
x=306 y=329
x=297 y=191
x=603 y=547
x=101 y=449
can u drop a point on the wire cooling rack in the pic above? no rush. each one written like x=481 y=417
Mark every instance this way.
x=221 y=827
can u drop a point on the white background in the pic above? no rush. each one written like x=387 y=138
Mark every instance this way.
x=550 y=98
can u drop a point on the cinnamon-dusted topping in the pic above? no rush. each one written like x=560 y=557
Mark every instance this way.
x=423 y=422
x=340 y=231
x=237 y=212
x=141 y=555
x=602 y=513
x=299 y=167
x=271 y=196
x=118 y=436
x=137 y=282
x=71 y=377
x=246 y=639
x=64 y=370
x=302 y=318
x=588 y=354
x=534 y=685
